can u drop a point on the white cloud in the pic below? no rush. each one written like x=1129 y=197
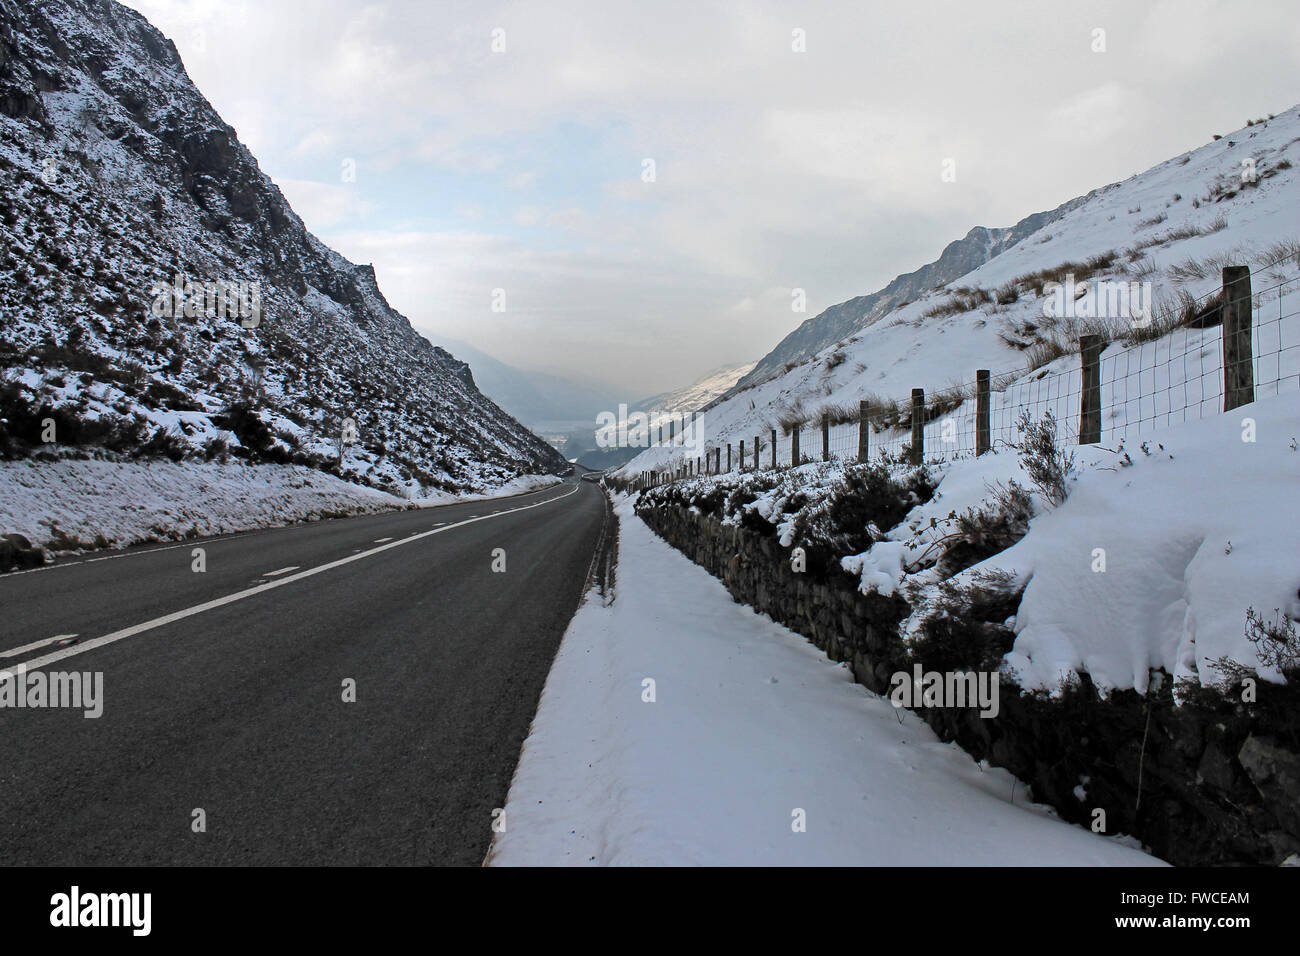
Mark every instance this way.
x=775 y=168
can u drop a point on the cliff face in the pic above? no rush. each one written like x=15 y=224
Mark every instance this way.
x=159 y=295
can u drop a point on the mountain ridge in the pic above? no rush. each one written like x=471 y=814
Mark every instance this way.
x=838 y=322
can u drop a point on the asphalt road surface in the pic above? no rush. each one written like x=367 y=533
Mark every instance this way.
x=232 y=703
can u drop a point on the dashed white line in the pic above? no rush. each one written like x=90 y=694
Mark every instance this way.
x=382 y=540
x=157 y=622
x=271 y=574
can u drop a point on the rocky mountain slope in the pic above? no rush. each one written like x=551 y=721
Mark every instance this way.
x=159 y=296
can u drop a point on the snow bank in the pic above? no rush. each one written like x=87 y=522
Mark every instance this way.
x=1201 y=526
x=80 y=504
x=74 y=505
x=749 y=724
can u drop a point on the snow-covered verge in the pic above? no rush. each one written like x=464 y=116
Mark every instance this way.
x=74 y=505
x=751 y=731
x=81 y=504
x=1151 y=562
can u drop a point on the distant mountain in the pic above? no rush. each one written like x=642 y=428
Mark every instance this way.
x=841 y=321
x=697 y=395
x=675 y=405
x=159 y=296
x=538 y=399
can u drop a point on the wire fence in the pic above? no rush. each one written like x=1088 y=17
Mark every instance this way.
x=1177 y=377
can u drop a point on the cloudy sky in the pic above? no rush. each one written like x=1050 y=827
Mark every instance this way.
x=794 y=146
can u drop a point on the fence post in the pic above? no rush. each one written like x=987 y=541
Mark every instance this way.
x=826 y=437
x=728 y=456
x=864 y=433
x=794 y=447
x=773 y=447
x=756 y=464
x=717 y=459
x=742 y=454
x=1090 y=347
x=918 y=425
x=983 y=434
x=1238 y=365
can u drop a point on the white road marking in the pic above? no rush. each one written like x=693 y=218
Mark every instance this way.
x=135 y=554
x=157 y=622
x=271 y=574
x=15 y=651
x=382 y=540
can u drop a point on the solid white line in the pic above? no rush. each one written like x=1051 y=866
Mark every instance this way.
x=15 y=651
x=249 y=592
x=271 y=574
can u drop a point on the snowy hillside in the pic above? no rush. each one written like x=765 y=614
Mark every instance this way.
x=695 y=396
x=1174 y=227
x=160 y=298
x=678 y=404
x=840 y=321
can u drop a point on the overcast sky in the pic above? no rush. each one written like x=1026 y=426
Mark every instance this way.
x=774 y=168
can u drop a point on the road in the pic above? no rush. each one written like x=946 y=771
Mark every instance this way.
x=233 y=703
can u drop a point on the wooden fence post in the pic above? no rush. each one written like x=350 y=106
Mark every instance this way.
x=864 y=433
x=918 y=425
x=983 y=434
x=742 y=454
x=717 y=459
x=794 y=447
x=1238 y=362
x=1090 y=347
x=773 y=447
x=826 y=437
x=728 y=456
x=756 y=463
